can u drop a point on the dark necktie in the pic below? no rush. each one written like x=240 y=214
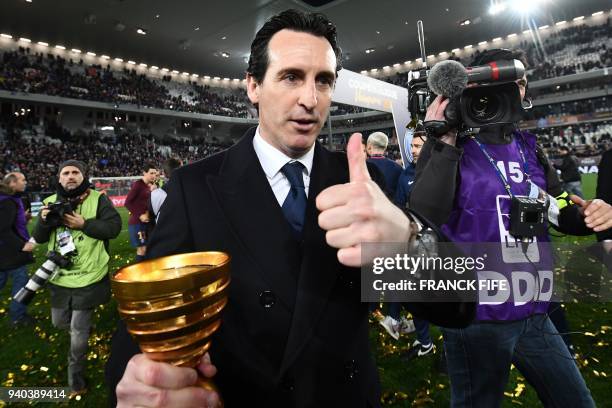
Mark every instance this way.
x=294 y=205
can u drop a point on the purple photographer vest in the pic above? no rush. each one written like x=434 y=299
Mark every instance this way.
x=481 y=215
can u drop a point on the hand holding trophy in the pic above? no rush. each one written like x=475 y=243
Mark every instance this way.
x=172 y=305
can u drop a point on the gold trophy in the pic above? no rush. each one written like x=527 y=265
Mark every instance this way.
x=172 y=305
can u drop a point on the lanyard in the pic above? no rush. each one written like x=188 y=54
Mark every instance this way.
x=498 y=171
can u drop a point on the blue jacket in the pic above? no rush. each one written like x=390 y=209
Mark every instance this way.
x=404 y=185
x=390 y=170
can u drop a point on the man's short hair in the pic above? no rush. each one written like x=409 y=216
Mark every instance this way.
x=312 y=23
x=498 y=54
x=148 y=166
x=10 y=177
x=420 y=132
x=379 y=140
x=170 y=165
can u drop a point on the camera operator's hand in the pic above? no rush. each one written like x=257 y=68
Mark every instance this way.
x=358 y=211
x=43 y=213
x=147 y=383
x=435 y=112
x=74 y=221
x=597 y=213
x=28 y=247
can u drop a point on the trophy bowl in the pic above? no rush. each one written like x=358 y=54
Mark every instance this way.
x=172 y=305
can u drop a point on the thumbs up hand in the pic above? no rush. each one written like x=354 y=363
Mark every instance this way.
x=597 y=213
x=358 y=211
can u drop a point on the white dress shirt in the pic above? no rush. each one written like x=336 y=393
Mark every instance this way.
x=272 y=160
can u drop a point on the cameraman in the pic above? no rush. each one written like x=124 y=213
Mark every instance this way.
x=458 y=185
x=82 y=236
x=15 y=244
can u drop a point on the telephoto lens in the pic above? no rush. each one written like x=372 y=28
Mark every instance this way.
x=41 y=277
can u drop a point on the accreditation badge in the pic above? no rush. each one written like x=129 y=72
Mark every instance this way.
x=65 y=242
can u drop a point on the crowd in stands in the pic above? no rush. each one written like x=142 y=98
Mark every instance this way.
x=24 y=71
x=37 y=155
x=601 y=104
x=575 y=49
x=595 y=135
x=36 y=150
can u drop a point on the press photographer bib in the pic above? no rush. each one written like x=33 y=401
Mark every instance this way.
x=482 y=214
x=90 y=264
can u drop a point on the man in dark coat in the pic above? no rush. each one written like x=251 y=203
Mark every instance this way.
x=15 y=246
x=292 y=215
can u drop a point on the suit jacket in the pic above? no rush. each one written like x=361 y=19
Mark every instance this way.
x=294 y=333
x=604 y=187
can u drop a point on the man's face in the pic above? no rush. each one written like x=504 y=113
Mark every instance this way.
x=295 y=94
x=150 y=176
x=70 y=177
x=20 y=184
x=416 y=146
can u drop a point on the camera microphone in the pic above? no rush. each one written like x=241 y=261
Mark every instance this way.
x=448 y=78
x=504 y=70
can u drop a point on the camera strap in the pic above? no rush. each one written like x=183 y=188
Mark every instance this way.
x=500 y=175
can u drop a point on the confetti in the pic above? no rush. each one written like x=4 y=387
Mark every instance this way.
x=519 y=389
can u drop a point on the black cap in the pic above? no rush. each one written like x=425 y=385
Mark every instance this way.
x=76 y=163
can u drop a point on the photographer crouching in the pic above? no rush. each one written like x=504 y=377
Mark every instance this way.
x=485 y=181
x=78 y=223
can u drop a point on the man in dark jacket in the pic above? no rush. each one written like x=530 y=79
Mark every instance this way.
x=572 y=182
x=15 y=246
x=376 y=147
x=604 y=192
x=292 y=215
x=82 y=236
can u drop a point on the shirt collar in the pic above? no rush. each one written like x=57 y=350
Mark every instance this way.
x=272 y=159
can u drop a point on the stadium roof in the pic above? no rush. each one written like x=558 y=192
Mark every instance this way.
x=213 y=37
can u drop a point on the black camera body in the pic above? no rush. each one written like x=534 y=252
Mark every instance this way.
x=490 y=104
x=57 y=210
x=481 y=96
x=527 y=217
